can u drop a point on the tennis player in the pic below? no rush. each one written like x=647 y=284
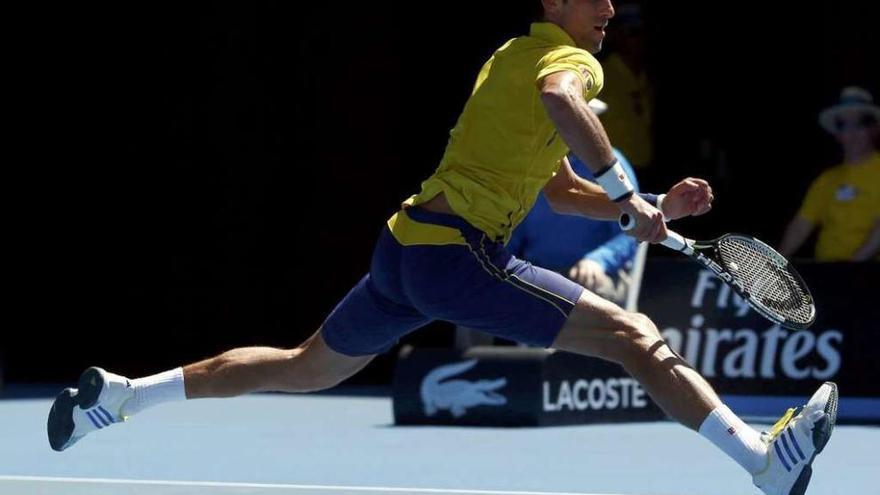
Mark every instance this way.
x=442 y=256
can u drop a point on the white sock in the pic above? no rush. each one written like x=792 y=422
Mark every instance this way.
x=156 y=389
x=738 y=440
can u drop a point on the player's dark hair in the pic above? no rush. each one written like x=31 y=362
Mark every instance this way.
x=539 y=11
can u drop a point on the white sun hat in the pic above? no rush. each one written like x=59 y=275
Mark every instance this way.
x=852 y=98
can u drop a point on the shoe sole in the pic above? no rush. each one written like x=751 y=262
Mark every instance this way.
x=60 y=426
x=821 y=434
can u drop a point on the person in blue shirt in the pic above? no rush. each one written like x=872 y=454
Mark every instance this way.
x=590 y=252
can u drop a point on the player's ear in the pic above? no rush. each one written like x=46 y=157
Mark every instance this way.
x=551 y=8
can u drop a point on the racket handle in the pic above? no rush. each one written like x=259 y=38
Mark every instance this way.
x=673 y=239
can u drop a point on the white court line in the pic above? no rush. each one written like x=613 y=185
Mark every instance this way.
x=218 y=484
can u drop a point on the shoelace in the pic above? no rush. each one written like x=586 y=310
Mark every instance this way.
x=768 y=436
x=776 y=430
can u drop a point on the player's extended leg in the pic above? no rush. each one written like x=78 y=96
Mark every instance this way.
x=599 y=328
x=104 y=398
x=368 y=321
x=779 y=461
x=309 y=367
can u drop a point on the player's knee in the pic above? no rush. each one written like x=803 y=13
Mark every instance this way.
x=647 y=328
x=303 y=375
x=640 y=335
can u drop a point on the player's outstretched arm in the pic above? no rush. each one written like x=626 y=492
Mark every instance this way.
x=569 y=194
x=563 y=96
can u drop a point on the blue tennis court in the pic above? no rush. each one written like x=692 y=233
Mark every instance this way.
x=347 y=445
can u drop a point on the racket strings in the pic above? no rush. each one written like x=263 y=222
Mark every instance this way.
x=765 y=275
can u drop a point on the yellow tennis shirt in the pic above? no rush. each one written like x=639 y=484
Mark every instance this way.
x=505 y=148
x=845 y=202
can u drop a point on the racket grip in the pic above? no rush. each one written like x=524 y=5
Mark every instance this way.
x=673 y=239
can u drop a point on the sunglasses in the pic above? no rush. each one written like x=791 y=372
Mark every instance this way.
x=863 y=122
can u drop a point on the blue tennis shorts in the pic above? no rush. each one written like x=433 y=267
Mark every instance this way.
x=476 y=284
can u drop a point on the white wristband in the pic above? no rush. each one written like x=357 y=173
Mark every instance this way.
x=660 y=199
x=615 y=182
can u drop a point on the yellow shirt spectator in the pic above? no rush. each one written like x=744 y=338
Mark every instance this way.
x=844 y=202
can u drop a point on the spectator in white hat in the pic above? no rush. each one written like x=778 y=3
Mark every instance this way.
x=844 y=201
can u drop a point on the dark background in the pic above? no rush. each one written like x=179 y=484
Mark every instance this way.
x=189 y=178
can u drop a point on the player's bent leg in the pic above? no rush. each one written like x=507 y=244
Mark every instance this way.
x=780 y=461
x=599 y=328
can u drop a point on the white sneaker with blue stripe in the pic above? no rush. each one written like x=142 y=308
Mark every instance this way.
x=795 y=440
x=97 y=404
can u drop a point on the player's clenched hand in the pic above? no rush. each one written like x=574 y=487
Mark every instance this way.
x=650 y=226
x=689 y=197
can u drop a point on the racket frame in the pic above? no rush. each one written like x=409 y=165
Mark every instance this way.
x=696 y=250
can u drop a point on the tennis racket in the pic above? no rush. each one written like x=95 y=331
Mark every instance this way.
x=760 y=275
